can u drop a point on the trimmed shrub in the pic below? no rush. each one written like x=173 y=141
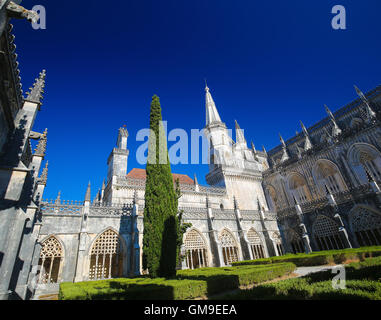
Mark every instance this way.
x=362 y=283
x=189 y=284
x=318 y=258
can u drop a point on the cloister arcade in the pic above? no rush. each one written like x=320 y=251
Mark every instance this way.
x=229 y=247
x=326 y=234
x=196 y=250
x=256 y=245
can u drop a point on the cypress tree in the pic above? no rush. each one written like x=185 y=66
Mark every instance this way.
x=161 y=224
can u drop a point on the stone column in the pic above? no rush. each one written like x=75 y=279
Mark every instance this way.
x=244 y=242
x=342 y=231
x=213 y=235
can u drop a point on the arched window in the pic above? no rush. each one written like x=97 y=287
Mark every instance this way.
x=295 y=241
x=326 y=233
x=326 y=173
x=298 y=187
x=106 y=257
x=366 y=225
x=275 y=203
x=196 y=250
x=363 y=157
x=229 y=247
x=275 y=236
x=50 y=261
x=256 y=245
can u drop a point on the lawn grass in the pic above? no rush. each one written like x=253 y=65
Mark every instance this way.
x=189 y=284
x=363 y=282
x=319 y=258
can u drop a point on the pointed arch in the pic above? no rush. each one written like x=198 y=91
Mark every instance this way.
x=273 y=197
x=229 y=246
x=107 y=255
x=295 y=241
x=363 y=156
x=326 y=234
x=327 y=173
x=196 y=249
x=365 y=223
x=298 y=187
x=256 y=244
x=51 y=260
x=277 y=240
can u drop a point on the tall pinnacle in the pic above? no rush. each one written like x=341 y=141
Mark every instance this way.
x=336 y=130
x=44 y=175
x=240 y=137
x=369 y=112
x=41 y=146
x=308 y=144
x=35 y=93
x=211 y=110
x=88 y=193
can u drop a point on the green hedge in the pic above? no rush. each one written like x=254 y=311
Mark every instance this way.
x=362 y=283
x=189 y=284
x=318 y=258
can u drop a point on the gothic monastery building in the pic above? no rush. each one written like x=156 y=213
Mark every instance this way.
x=317 y=191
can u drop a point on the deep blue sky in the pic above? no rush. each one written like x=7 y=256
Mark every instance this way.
x=269 y=64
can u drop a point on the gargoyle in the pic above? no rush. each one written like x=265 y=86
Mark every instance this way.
x=16 y=11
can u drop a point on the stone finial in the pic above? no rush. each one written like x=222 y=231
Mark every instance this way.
x=369 y=112
x=282 y=141
x=123 y=131
x=35 y=93
x=44 y=175
x=253 y=147
x=88 y=193
x=264 y=150
x=41 y=146
x=195 y=180
x=308 y=144
x=58 y=200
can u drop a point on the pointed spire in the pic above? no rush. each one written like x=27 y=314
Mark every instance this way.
x=360 y=94
x=41 y=146
x=329 y=112
x=253 y=147
x=264 y=150
x=285 y=155
x=35 y=93
x=211 y=110
x=58 y=200
x=282 y=141
x=195 y=180
x=336 y=129
x=369 y=112
x=239 y=135
x=308 y=144
x=44 y=175
x=103 y=185
x=88 y=193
